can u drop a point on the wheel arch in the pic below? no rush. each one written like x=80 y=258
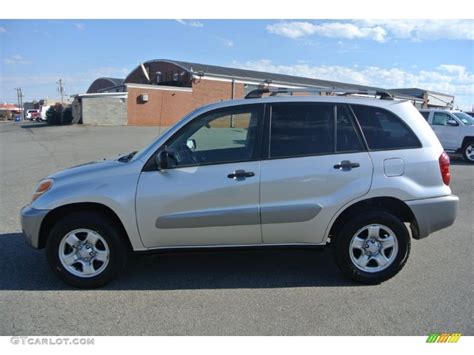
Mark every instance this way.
x=54 y=215
x=466 y=140
x=390 y=204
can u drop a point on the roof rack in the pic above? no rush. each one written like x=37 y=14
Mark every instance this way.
x=258 y=93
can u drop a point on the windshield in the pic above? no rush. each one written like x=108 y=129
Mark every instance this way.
x=465 y=118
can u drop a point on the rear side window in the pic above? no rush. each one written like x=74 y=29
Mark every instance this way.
x=383 y=130
x=301 y=129
x=425 y=114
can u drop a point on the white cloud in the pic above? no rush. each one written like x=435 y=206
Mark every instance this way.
x=418 y=30
x=447 y=78
x=80 y=26
x=226 y=42
x=16 y=59
x=378 y=30
x=327 y=29
x=459 y=72
x=191 y=23
x=291 y=29
x=3 y=29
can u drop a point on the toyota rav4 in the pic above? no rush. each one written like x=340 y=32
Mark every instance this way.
x=362 y=175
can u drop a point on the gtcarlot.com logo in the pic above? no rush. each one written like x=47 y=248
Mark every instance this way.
x=443 y=338
x=27 y=340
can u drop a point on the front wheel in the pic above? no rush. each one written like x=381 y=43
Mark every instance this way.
x=468 y=152
x=86 y=250
x=372 y=247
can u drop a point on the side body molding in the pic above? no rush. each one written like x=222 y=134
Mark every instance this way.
x=239 y=216
x=289 y=213
x=209 y=218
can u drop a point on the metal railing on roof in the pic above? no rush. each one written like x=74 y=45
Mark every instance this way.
x=258 y=93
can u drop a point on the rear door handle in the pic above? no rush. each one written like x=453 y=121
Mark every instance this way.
x=240 y=174
x=346 y=165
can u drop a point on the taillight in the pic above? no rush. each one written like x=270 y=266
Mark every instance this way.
x=444 y=168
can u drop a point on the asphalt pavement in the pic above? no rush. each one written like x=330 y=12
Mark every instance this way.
x=278 y=292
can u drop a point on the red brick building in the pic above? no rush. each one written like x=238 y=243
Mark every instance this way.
x=160 y=92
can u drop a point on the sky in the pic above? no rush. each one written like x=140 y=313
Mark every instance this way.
x=436 y=55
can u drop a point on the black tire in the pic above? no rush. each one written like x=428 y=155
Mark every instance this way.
x=468 y=146
x=99 y=223
x=356 y=223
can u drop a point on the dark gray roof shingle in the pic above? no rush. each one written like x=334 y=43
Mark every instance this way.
x=276 y=78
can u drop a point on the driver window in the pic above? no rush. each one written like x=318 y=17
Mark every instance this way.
x=219 y=137
x=440 y=119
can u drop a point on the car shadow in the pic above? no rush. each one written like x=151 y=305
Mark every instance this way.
x=35 y=125
x=24 y=268
x=458 y=160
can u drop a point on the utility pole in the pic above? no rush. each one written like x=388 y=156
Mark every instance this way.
x=19 y=96
x=61 y=90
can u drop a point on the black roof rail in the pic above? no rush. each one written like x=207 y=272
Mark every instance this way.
x=258 y=93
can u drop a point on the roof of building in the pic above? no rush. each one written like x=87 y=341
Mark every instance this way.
x=114 y=81
x=416 y=92
x=245 y=74
x=191 y=69
x=11 y=107
x=104 y=83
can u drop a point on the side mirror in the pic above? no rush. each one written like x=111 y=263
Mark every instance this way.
x=162 y=161
x=191 y=144
x=452 y=122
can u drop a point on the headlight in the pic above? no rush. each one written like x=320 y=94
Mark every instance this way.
x=43 y=186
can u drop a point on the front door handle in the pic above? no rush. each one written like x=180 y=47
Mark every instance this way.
x=240 y=174
x=346 y=165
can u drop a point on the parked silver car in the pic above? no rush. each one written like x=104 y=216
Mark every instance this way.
x=343 y=171
x=455 y=130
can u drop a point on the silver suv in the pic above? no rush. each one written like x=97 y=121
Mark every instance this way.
x=455 y=130
x=363 y=175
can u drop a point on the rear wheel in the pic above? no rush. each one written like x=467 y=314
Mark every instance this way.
x=468 y=151
x=372 y=247
x=86 y=250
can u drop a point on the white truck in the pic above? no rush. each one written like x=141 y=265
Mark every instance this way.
x=455 y=131
x=43 y=110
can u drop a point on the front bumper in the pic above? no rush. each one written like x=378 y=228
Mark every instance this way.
x=433 y=214
x=31 y=220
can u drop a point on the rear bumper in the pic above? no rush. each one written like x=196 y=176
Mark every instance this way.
x=31 y=220
x=433 y=214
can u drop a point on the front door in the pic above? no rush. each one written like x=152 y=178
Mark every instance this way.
x=448 y=135
x=210 y=193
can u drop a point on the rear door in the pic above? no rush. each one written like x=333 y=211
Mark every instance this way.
x=315 y=163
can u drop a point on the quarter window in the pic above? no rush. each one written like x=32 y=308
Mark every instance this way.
x=301 y=129
x=384 y=130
